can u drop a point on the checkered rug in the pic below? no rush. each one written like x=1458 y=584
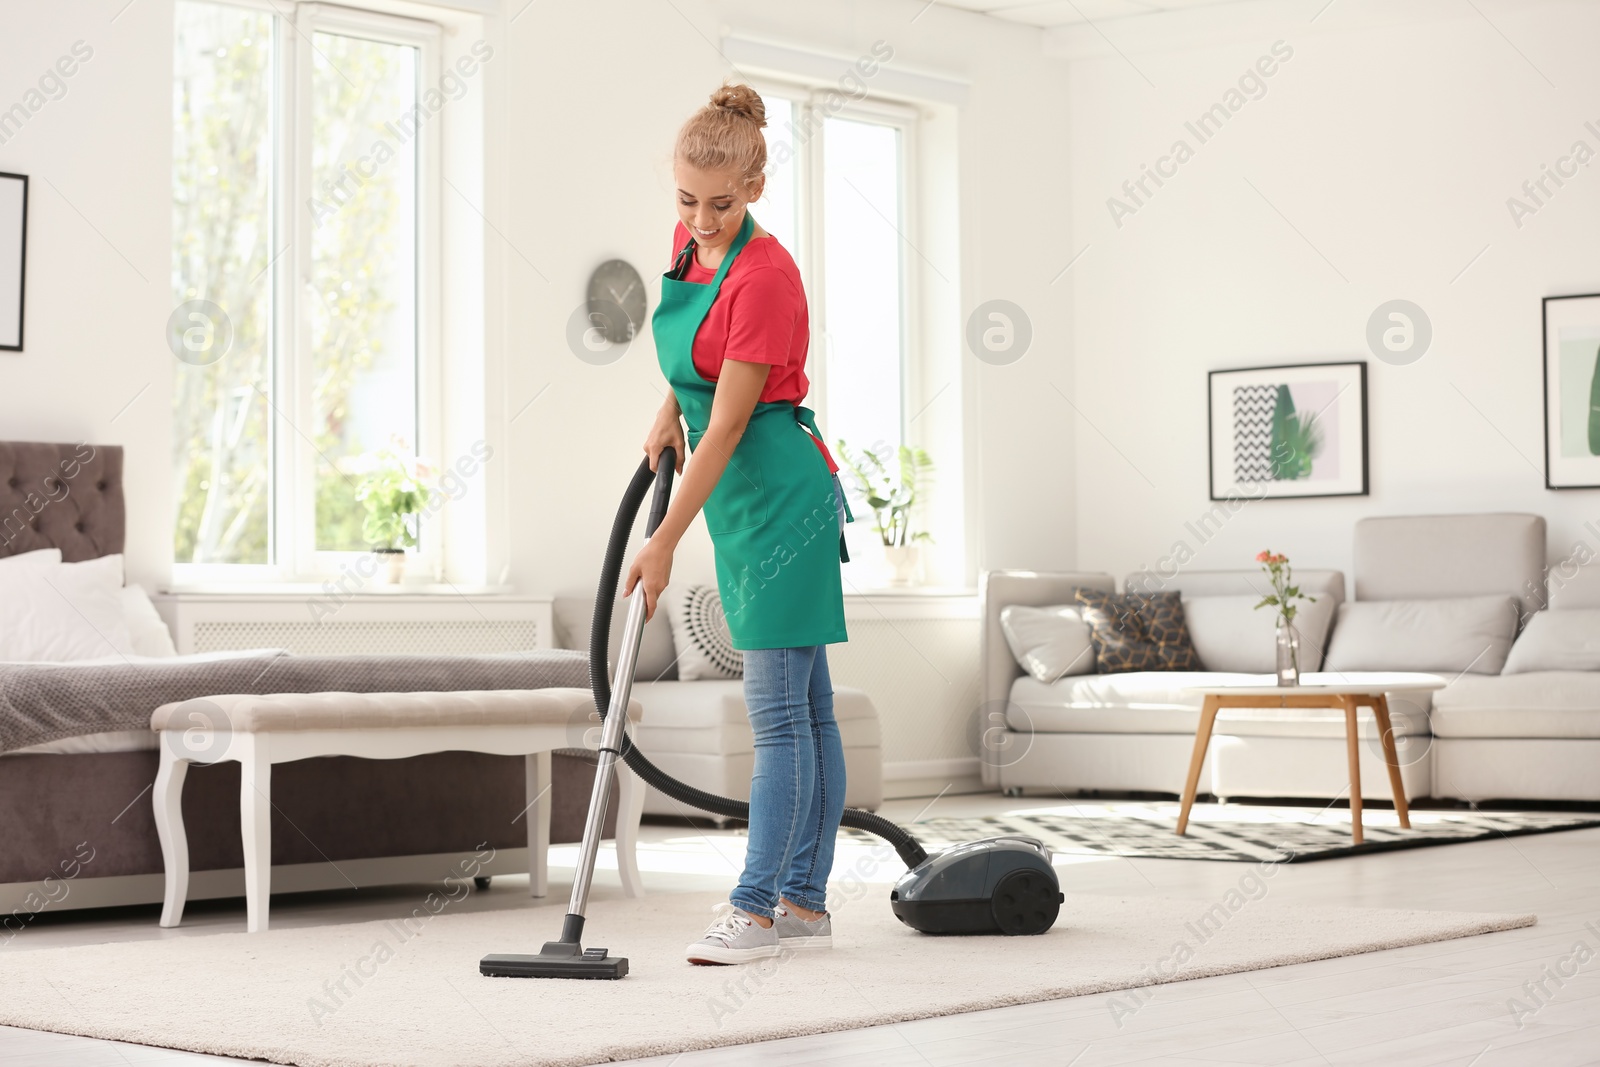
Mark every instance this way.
x=1245 y=833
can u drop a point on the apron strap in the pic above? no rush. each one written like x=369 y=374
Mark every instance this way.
x=808 y=419
x=680 y=262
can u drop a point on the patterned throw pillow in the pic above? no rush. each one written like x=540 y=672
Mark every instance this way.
x=700 y=635
x=1138 y=631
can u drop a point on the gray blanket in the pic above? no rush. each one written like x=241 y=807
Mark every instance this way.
x=40 y=703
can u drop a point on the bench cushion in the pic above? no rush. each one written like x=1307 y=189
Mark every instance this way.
x=277 y=712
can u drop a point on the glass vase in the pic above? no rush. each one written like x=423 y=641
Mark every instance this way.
x=1288 y=654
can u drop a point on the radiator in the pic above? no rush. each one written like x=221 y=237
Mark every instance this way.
x=395 y=623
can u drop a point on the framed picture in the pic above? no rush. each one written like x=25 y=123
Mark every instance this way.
x=1572 y=392
x=13 y=257
x=1289 y=431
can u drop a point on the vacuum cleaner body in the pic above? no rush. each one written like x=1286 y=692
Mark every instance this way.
x=999 y=885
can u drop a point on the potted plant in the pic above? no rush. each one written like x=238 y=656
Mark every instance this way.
x=1283 y=596
x=891 y=480
x=393 y=495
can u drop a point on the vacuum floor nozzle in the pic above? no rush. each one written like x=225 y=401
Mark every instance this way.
x=558 y=959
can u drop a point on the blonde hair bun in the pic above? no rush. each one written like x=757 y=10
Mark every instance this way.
x=742 y=100
x=726 y=134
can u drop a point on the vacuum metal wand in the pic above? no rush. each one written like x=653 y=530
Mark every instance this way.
x=611 y=736
x=567 y=958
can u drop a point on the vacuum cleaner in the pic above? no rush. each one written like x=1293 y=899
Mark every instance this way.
x=998 y=885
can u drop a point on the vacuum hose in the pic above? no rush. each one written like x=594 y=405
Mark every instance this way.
x=600 y=680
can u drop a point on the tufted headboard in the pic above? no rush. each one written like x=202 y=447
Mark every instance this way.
x=61 y=496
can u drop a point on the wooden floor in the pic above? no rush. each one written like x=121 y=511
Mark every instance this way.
x=1446 y=1003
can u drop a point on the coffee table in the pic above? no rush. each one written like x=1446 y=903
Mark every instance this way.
x=1349 y=691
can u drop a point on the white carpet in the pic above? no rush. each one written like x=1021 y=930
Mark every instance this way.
x=420 y=1000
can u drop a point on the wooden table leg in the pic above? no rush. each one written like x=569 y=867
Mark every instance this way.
x=1202 y=739
x=1352 y=736
x=1380 y=713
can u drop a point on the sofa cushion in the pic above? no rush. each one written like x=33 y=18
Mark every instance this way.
x=1423 y=557
x=1549 y=704
x=1455 y=635
x=1230 y=634
x=1050 y=642
x=1131 y=702
x=710 y=717
x=1157 y=702
x=1566 y=640
x=1137 y=631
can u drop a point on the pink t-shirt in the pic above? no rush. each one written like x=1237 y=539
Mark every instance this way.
x=759 y=316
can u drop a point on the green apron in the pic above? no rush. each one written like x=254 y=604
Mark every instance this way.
x=774 y=514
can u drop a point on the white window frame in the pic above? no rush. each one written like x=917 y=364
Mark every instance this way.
x=808 y=101
x=292 y=551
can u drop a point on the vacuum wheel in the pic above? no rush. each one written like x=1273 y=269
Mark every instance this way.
x=1026 y=902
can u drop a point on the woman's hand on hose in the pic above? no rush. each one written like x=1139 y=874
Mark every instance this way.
x=666 y=432
x=652 y=567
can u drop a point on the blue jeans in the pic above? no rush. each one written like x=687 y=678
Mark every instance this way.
x=797 y=790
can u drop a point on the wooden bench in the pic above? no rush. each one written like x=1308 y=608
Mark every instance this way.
x=257 y=731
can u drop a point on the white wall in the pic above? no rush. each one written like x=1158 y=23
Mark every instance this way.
x=599 y=92
x=95 y=365
x=1390 y=141
x=593 y=94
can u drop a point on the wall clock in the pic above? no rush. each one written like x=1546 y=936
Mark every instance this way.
x=616 y=301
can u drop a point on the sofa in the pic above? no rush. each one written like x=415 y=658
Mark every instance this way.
x=697 y=730
x=1445 y=594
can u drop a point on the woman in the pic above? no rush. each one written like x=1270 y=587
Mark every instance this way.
x=731 y=335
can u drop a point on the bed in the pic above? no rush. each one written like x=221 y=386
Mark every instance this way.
x=78 y=761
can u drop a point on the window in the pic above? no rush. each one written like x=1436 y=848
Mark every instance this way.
x=863 y=280
x=303 y=205
x=836 y=198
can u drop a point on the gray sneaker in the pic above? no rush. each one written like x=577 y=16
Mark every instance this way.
x=734 y=937
x=795 y=932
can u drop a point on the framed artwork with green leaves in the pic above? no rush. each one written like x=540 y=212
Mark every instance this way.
x=1290 y=431
x=1572 y=392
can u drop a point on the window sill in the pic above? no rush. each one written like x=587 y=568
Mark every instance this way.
x=873 y=591
x=290 y=590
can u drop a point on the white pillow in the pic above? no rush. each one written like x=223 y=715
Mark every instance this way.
x=147 y=631
x=31 y=559
x=1051 y=642
x=63 y=611
x=1561 y=640
x=700 y=634
x=1232 y=635
x=1461 y=634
